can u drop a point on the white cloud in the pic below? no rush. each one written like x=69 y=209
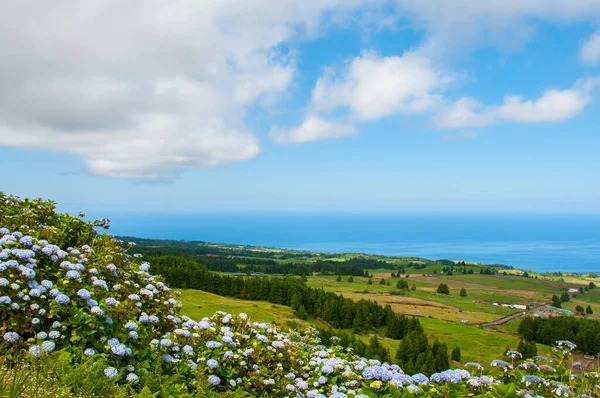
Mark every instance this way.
x=455 y=25
x=553 y=106
x=466 y=112
x=144 y=88
x=371 y=86
x=313 y=128
x=590 y=52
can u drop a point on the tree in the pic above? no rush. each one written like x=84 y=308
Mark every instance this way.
x=527 y=348
x=443 y=289
x=303 y=278
x=370 y=282
x=382 y=281
x=564 y=297
x=339 y=278
x=402 y=284
x=556 y=301
x=463 y=292
x=592 y=285
x=579 y=308
x=350 y=279
x=588 y=310
x=456 y=354
x=414 y=287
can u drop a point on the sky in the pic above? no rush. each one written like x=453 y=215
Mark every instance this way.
x=353 y=105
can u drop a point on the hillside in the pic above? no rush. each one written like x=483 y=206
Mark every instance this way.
x=82 y=316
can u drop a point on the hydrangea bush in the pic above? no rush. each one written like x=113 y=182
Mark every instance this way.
x=63 y=286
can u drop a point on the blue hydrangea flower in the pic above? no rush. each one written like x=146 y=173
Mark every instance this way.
x=48 y=346
x=111 y=372
x=35 y=350
x=111 y=301
x=212 y=363
x=73 y=275
x=62 y=299
x=132 y=378
x=11 y=337
x=214 y=380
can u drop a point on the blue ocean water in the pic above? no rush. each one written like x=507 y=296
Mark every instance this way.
x=539 y=242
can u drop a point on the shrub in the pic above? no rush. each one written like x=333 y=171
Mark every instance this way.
x=443 y=289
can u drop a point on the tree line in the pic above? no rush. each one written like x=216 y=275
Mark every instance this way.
x=338 y=311
x=585 y=333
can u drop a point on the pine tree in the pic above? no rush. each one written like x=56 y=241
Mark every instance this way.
x=350 y=279
x=463 y=292
x=588 y=310
x=339 y=278
x=456 y=354
x=370 y=282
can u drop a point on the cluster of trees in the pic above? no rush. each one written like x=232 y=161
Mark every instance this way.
x=339 y=312
x=527 y=348
x=450 y=270
x=416 y=355
x=443 y=289
x=581 y=310
x=558 y=300
x=416 y=265
x=583 y=332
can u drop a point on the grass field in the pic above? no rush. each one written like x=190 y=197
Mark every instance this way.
x=476 y=344
x=198 y=304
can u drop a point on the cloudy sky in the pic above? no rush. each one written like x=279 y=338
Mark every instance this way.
x=429 y=105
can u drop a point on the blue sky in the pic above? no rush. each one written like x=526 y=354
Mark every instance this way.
x=361 y=105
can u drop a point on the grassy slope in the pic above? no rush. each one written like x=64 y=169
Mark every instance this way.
x=198 y=304
x=476 y=344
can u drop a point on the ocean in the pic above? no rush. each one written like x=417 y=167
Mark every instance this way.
x=538 y=242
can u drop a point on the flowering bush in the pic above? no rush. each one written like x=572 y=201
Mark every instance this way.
x=65 y=287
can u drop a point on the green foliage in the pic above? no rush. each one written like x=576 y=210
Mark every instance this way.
x=416 y=355
x=585 y=333
x=456 y=354
x=463 y=292
x=527 y=348
x=556 y=301
x=443 y=289
x=402 y=284
x=588 y=310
